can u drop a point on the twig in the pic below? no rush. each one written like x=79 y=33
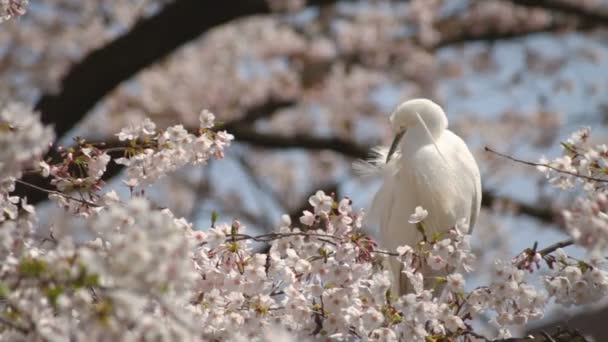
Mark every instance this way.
x=321 y=237
x=53 y=192
x=466 y=299
x=525 y=259
x=547 y=337
x=274 y=236
x=525 y=162
x=386 y=252
x=552 y=248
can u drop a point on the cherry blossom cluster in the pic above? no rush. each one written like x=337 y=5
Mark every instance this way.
x=12 y=8
x=587 y=221
x=583 y=163
x=513 y=300
x=81 y=168
x=134 y=264
x=576 y=282
x=150 y=154
x=23 y=139
x=325 y=278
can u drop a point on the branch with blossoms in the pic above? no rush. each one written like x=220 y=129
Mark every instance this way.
x=147 y=154
x=123 y=268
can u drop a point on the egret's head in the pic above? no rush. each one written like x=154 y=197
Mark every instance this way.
x=417 y=114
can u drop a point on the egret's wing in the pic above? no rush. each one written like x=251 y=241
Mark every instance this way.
x=473 y=169
x=475 y=206
x=465 y=175
x=468 y=163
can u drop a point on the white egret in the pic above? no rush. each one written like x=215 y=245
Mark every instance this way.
x=427 y=165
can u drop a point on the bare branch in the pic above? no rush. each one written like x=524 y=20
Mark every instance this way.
x=278 y=141
x=461 y=33
x=552 y=248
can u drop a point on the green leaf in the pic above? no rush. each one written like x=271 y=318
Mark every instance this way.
x=86 y=279
x=4 y=290
x=214 y=217
x=436 y=237
x=52 y=293
x=31 y=267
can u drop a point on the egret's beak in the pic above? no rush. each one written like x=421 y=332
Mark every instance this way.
x=394 y=145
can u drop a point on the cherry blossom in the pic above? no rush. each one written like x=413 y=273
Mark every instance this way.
x=419 y=215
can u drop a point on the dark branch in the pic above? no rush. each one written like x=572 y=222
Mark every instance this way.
x=353 y=150
x=552 y=248
x=597 y=15
x=462 y=34
x=151 y=39
x=307 y=142
x=541 y=213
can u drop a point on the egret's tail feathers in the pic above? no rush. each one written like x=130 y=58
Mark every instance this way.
x=376 y=164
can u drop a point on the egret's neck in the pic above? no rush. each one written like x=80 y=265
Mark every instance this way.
x=417 y=137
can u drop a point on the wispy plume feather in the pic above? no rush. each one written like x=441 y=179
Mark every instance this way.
x=376 y=165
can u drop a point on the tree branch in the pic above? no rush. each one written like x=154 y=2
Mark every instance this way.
x=598 y=15
x=307 y=142
x=150 y=40
x=552 y=248
x=462 y=33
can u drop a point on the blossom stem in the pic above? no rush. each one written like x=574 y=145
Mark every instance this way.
x=58 y=193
